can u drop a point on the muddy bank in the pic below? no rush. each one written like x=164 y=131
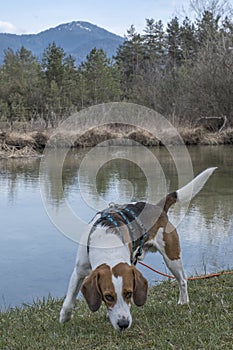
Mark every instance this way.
x=36 y=141
x=14 y=152
x=20 y=145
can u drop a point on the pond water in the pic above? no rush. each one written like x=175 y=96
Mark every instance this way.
x=37 y=253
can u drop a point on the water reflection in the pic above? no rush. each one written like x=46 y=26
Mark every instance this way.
x=206 y=230
x=123 y=180
x=15 y=173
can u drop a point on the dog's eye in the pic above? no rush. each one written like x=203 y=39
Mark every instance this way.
x=109 y=297
x=128 y=295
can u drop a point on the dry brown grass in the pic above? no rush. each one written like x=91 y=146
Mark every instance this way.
x=199 y=136
x=19 y=139
x=114 y=134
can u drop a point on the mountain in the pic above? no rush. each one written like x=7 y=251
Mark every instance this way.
x=76 y=38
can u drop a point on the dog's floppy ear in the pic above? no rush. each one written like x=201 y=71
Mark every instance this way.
x=91 y=291
x=140 y=288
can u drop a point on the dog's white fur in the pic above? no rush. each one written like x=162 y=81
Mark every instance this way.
x=190 y=190
x=121 y=311
x=111 y=246
x=109 y=252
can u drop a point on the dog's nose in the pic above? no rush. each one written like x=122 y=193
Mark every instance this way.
x=123 y=323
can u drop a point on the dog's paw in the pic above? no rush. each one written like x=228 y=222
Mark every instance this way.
x=183 y=300
x=65 y=315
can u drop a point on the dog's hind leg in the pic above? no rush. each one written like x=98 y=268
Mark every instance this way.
x=176 y=267
x=167 y=243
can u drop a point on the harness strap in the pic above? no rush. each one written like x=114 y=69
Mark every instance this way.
x=139 y=250
x=110 y=218
x=130 y=211
x=142 y=238
x=131 y=228
x=105 y=215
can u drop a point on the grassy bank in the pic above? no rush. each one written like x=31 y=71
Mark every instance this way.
x=160 y=324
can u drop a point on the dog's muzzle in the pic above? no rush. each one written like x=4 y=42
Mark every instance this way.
x=123 y=324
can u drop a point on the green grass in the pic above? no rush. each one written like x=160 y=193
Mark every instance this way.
x=161 y=324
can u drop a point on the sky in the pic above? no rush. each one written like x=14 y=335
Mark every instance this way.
x=30 y=17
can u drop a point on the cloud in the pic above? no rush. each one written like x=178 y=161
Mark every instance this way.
x=7 y=27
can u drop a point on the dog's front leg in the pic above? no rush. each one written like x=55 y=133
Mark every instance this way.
x=73 y=289
x=81 y=270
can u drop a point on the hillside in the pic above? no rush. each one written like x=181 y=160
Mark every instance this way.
x=76 y=38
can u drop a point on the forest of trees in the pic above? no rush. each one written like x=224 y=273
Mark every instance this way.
x=183 y=70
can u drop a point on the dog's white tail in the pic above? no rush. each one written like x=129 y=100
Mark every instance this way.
x=190 y=190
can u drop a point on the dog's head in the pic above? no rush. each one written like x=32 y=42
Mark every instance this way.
x=117 y=287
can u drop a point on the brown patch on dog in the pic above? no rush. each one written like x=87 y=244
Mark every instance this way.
x=172 y=243
x=98 y=286
x=170 y=236
x=126 y=272
x=134 y=284
x=168 y=201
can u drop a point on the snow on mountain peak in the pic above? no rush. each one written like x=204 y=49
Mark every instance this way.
x=72 y=25
x=78 y=24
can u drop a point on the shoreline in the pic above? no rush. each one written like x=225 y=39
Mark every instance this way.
x=17 y=143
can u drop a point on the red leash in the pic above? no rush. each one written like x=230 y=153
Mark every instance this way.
x=190 y=278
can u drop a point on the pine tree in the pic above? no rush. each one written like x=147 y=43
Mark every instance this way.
x=154 y=39
x=53 y=64
x=19 y=84
x=69 y=94
x=98 y=79
x=129 y=58
x=53 y=76
x=174 y=42
x=207 y=28
x=188 y=40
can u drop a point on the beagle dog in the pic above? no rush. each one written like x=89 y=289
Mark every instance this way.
x=119 y=236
